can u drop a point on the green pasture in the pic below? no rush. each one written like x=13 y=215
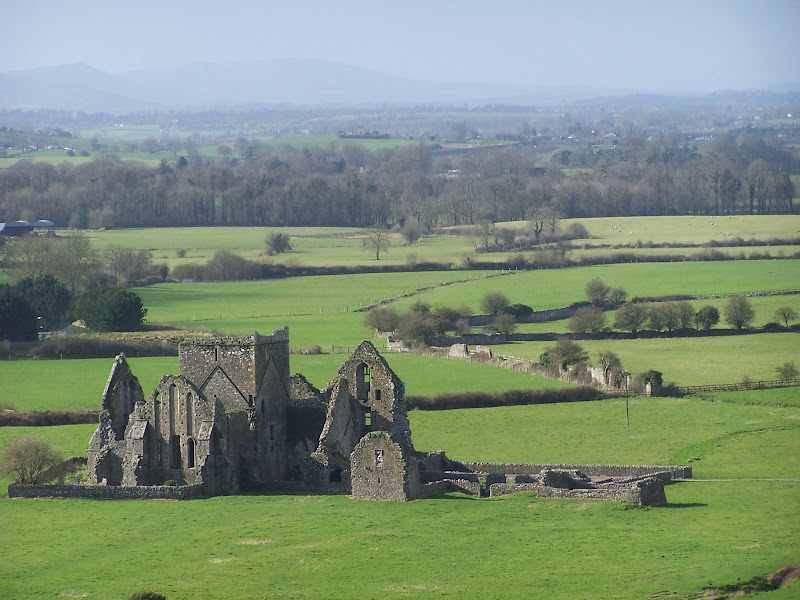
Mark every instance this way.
x=320 y=246
x=662 y=431
x=79 y=383
x=318 y=310
x=688 y=361
x=328 y=246
x=687 y=229
x=711 y=533
x=71 y=384
x=774 y=396
x=764 y=306
x=560 y=287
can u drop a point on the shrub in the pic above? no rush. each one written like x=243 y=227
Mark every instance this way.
x=26 y=457
x=110 y=310
x=314 y=350
x=590 y=319
x=618 y=295
x=382 y=319
x=17 y=316
x=578 y=231
x=171 y=483
x=180 y=252
x=494 y=303
x=652 y=377
x=786 y=371
x=707 y=317
x=563 y=354
x=504 y=324
x=518 y=310
x=507 y=398
x=597 y=291
x=277 y=243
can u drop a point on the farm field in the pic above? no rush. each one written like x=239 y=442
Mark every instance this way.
x=78 y=384
x=560 y=287
x=712 y=532
x=688 y=361
x=326 y=246
x=318 y=310
x=764 y=306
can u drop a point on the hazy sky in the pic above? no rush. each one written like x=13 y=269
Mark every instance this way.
x=664 y=45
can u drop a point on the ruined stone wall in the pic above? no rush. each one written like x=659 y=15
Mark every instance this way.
x=103 y=492
x=648 y=492
x=669 y=472
x=383 y=469
x=121 y=394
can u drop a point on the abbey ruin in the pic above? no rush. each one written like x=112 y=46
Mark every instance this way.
x=233 y=420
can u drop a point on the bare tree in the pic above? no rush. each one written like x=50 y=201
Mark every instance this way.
x=377 y=239
x=785 y=314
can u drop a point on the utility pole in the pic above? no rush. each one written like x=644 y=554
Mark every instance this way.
x=625 y=374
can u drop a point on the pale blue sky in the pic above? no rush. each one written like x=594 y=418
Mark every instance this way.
x=674 y=46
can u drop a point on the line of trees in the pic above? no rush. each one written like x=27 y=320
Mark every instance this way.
x=350 y=186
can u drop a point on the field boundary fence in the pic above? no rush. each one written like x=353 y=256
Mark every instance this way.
x=741 y=386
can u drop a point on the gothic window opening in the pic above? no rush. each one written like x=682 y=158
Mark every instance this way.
x=250 y=400
x=368 y=419
x=378 y=458
x=190 y=453
x=189 y=409
x=216 y=354
x=272 y=432
x=262 y=406
x=362 y=383
x=335 y=476
x=175 y=446
x=378 y=395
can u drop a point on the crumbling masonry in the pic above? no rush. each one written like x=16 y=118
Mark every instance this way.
x=234 y=420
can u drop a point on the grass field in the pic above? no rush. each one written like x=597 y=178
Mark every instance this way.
x=561 y=287
x=689 y=361
x=318 y=310
x=712 y=532
x=79 y=384
x=342 y=246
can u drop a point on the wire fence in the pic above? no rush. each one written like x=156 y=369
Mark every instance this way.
x=741 y=386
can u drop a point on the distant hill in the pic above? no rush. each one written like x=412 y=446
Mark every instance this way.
x=303 y=82
x=209 y=85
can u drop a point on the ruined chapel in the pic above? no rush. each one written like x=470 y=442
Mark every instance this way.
x=233 y=420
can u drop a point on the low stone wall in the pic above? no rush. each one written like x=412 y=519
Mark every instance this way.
x=451 y=485
x=648 y=492
x=666 y=472
x=106 y=492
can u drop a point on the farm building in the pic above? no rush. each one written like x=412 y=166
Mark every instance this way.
x=20 y=228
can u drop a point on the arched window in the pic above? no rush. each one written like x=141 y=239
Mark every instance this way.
x=190 y=453
x=362 y=383
x=171 y=407
x=189 y=409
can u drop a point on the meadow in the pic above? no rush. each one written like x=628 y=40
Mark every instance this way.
x=688 y=361
x=739 y=519
x=328 y=246
x=79 y=383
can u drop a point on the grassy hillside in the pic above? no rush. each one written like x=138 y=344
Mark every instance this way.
x=711 y=533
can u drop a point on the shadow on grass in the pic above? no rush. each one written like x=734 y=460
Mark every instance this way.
x=683 y=505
